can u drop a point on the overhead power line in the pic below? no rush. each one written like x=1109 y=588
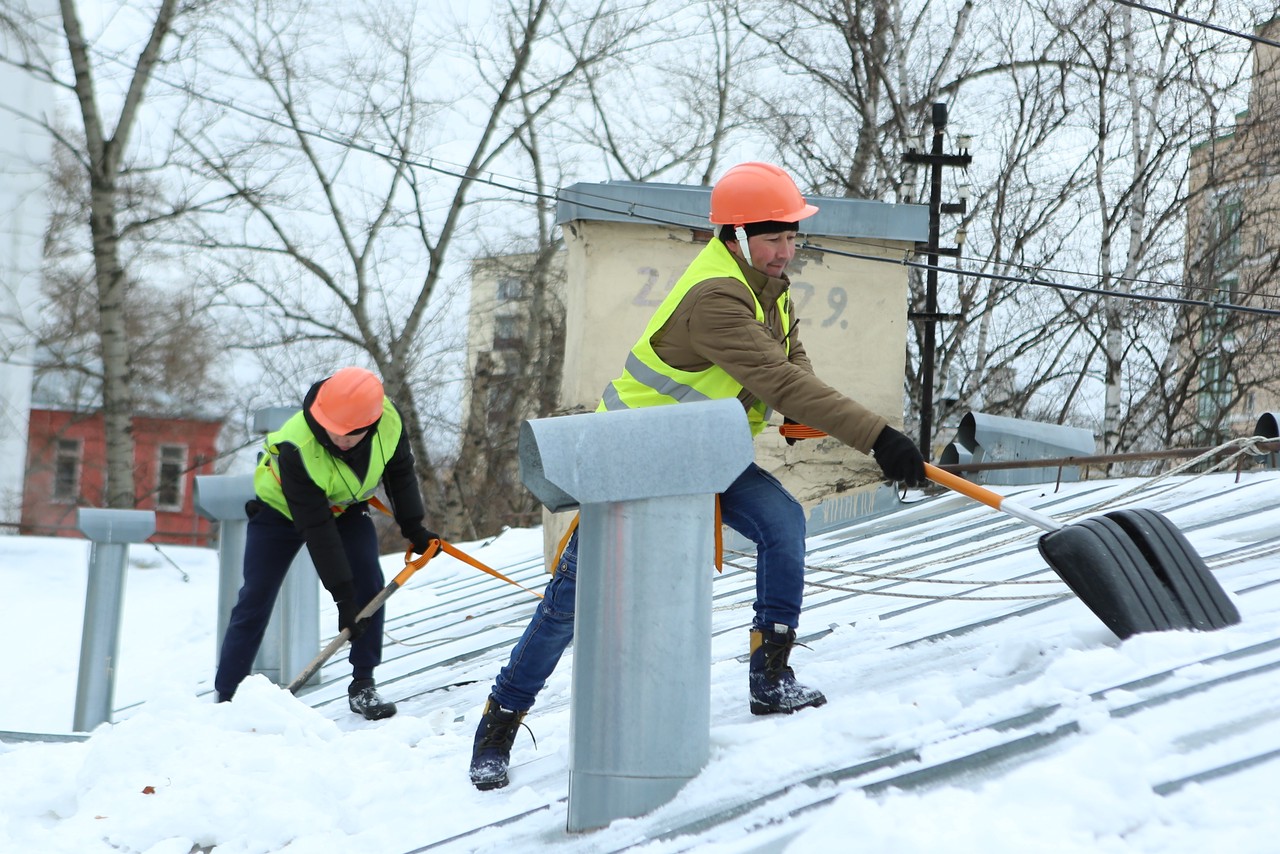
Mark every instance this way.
x=1198 y=23
x=1026 y=280
x=679 y=218
x=580 y=197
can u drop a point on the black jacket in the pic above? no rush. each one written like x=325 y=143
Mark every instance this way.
x=313 y=515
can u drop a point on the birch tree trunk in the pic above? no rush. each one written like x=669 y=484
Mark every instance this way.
x=104 y=157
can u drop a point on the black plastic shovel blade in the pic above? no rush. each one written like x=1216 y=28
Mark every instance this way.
x=1180 y=568
x=1138 y=573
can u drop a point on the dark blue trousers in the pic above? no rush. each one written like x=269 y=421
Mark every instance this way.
x=271 y=543
x=755 y=505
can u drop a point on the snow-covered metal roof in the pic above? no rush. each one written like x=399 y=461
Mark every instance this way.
x=942 y=591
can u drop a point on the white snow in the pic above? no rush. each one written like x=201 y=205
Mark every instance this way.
x=271 y=772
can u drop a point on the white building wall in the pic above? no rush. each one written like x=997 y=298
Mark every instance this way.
x=24 y=150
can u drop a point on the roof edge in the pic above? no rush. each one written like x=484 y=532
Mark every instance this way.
x=688 y=206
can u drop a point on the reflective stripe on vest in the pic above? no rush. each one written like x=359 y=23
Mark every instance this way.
x=331 y=474
x=648 y=381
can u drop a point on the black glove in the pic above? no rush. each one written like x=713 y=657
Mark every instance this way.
x=345 y=598
x=899 y=458
x=420 y=537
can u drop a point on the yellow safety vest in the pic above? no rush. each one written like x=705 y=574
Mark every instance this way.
x=328 y=472
x=648 y=381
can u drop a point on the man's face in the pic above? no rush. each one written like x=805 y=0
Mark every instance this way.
x=346 y=441
x=771 y=253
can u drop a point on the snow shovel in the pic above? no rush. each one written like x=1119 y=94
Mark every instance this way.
x=1133 y=568
x=411 y=565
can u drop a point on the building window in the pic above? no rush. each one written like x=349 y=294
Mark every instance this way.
x=506 y=333
x=509 y=287
x=1216 y=389
x=502 y=401
x=1225 y=240
x=169 y=477
x=66 y=470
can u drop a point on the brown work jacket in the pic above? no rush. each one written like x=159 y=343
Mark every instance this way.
x=716 y=323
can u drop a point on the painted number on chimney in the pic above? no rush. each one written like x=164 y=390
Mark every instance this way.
x=837 y=300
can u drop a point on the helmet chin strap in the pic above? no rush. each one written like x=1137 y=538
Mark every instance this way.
x=741 y=233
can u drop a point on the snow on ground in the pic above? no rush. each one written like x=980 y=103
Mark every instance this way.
x=270 y=773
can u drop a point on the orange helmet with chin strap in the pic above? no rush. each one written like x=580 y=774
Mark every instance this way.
x=348 y=401
x=757 y=192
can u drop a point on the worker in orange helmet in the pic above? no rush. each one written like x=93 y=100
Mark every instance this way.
x=727 y=329
x=312 y=485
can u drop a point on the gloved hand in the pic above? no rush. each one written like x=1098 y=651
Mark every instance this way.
x=420 y=537
x=899 y=458
x=345 y=598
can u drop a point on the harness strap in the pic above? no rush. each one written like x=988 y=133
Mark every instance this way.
x=564 y=541
x=573 y=526
x=449 y=549
x=719 y=538
x=468 y=559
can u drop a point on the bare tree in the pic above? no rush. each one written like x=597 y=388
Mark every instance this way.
x=172 y=337
x=669 y=116
x=869 y=75
x=109 y=168
x=1086 y=119
x=1149 y=89
x=341 y=243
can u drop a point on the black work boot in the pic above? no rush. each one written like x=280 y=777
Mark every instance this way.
x=774 y=689
x=491 y=750
x=363 y=698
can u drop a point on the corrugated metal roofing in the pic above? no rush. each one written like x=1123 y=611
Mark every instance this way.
x=939 y=584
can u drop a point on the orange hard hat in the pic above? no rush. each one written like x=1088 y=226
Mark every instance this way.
x=757 y=192
x=348 y=400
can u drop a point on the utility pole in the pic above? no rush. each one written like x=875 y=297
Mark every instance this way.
x=935 y=160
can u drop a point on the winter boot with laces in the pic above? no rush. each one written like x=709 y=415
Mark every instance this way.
x=363 y=698
x=491 y=751
x=774 y=689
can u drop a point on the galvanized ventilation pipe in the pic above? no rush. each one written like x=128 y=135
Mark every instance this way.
x=110 y=532
x=293 y=634
x=644 y=480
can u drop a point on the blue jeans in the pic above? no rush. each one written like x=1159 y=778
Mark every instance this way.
x=271 y=543
x=755 y=505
